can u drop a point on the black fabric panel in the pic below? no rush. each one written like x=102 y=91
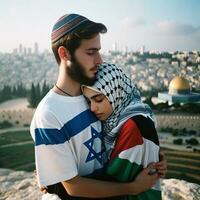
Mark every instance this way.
x=147 y=128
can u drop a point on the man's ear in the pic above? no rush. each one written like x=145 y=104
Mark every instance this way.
x=64 y=54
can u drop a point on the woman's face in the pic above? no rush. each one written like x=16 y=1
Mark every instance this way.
x=98 y=103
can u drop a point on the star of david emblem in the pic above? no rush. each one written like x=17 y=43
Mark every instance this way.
x=90 y=143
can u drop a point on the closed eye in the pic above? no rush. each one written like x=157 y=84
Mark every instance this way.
x=96 y=98
x=99 y=98
x=90 y=53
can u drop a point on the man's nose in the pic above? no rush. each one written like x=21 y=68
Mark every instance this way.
x=98 y=59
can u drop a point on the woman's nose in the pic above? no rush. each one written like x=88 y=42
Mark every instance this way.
x=93 y=107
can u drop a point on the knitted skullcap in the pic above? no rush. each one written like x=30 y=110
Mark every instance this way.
x=67 y=24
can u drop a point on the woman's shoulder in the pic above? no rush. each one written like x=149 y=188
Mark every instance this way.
x=140 y=125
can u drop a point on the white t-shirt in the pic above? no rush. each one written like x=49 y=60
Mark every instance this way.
x=68 y=139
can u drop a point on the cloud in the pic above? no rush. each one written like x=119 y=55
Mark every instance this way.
x=162 y=36
x=133 y=22
x=175 y=28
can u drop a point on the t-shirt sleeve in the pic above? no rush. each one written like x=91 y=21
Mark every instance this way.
x=55 y=161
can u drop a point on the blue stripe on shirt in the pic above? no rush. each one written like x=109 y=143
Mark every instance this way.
x=71 y=128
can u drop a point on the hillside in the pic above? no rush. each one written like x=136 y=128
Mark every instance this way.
x=20 y=185
x=15 y=104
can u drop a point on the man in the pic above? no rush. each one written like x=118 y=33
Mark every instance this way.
x=67 y=136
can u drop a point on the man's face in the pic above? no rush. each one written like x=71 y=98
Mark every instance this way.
x=85 y=61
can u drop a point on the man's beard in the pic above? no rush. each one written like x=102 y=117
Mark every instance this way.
x=76 y=72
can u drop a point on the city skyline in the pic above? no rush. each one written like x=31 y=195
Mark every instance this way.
x=34 y=48
x=158 y=25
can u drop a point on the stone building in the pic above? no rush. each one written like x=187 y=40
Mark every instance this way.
x=179 y=92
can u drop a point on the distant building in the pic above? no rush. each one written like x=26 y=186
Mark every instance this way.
x=36 y=48
x=142 y=50
x=20 y=49
x=114 y=47
x=15 y=51
x=29 y=51
x=25 y=51
x=179 y=92
x=125 y=49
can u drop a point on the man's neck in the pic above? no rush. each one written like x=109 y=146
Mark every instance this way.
x=66 y=90
x=65 y=83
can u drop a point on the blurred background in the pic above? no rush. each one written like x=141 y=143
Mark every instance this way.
x=156 y=43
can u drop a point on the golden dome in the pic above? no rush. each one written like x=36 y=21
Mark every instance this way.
x=179 y=85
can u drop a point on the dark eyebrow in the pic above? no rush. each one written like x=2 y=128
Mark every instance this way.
x=97 y=95
x=93 y=49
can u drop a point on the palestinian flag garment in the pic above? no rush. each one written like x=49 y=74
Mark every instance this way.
x=136 y=146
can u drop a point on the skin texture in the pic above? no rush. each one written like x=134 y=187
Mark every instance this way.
x=98 y=103
x=87 y=55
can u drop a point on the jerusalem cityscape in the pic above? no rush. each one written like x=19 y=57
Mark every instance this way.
x=152 y=72
x=155 y=44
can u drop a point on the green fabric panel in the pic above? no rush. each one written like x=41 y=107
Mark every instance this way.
x=148 y=195
x=124 y=171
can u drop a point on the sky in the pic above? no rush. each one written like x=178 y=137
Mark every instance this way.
x=159 y=25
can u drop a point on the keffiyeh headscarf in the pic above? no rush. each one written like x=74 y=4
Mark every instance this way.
x=124 y=98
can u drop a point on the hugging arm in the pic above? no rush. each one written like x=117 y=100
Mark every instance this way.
x=86 y=187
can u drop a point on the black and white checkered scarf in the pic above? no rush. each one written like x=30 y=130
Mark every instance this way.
x=124 y=98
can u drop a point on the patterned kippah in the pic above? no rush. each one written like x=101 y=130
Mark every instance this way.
x=68 y=24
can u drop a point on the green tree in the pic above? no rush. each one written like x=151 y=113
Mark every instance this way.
x=33 y=99
x=38 y=93
x=45 y=89
x=178 y=141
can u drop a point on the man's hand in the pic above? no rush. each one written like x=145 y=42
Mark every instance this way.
x=42 y=189
x=162 y=165
x=145 y=180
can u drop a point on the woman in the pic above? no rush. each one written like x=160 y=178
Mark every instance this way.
x=130 y=136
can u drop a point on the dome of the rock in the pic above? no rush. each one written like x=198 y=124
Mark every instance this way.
x=179 y=85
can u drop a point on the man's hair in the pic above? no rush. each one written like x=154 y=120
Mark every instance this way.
x=70 y=29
